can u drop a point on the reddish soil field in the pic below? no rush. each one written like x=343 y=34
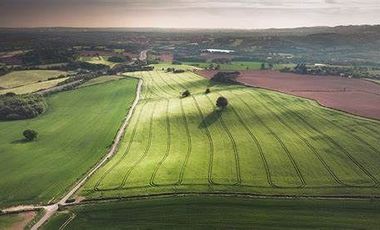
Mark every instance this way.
x=166 y=57
x=356 y=96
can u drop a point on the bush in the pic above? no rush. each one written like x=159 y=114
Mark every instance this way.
x=207 y=91
x=178 y=71
x=221 y=102
x=30 y=134
x=186 y=93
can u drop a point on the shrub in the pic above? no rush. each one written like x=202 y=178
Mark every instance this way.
x=178 y=71
x=221 y=102
x=186 y=93
x=30 y=134
x=207 y=91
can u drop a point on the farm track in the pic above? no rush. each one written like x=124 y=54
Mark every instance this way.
x=97 y=184
x=360 y=166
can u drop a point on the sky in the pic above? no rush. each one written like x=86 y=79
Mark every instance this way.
x=241 y=14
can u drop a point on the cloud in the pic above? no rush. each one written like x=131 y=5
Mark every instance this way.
x=188 y=13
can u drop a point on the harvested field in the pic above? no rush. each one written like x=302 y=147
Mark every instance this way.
x=356 y=96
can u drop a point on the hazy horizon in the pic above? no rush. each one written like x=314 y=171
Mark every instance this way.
x=188 y=14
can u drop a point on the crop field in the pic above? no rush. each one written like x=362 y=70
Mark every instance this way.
x=26 y=77
x=102 y=79
x=74 y=134
x=264 y=142
x=98 y=60
x=34 y=87
x=220 y=213
x=236 y=65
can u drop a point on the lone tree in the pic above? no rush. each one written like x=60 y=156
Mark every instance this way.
x=207 y=91
x=221 y=102
x=186 y=93
x=30 y=134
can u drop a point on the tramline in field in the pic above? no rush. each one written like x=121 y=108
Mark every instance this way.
x=263 y=142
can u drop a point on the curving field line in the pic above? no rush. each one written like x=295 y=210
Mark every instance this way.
x=167 y=151
x=304 y=140
x=209 y=137
x=318 y=114
x=147 y=92
x=188 y=136
x=97 y=184
x=233 y=142
x=146 y=150
x=189 y=146
x=360 y=166
x=261 y=153
x=234 y=147
x=290 y=157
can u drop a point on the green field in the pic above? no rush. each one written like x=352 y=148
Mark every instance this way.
x=236 y=65
x=26 y=77
x=264 y=143
x=75 y=133
x=34 y=87
x=220 y=213
x=101 y=80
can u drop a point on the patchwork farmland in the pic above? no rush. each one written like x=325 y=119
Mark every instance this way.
x=264 y=142
x=356 y=96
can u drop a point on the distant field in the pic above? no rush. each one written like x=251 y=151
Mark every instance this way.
x=168 y=65
x=221 y=213
x=26 y=77
x=102 y=79
x=264 y=143
x=98 y=60
x=356 y=96
x=236 y=66
x=74 y=134
x=34 y=87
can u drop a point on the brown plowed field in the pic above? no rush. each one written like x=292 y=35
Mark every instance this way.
x=356 y=96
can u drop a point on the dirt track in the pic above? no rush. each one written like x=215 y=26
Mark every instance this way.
x=51 y=209
x=355 y=96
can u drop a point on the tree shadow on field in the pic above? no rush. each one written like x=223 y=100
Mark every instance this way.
x=210 y=119
x=20 y=141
